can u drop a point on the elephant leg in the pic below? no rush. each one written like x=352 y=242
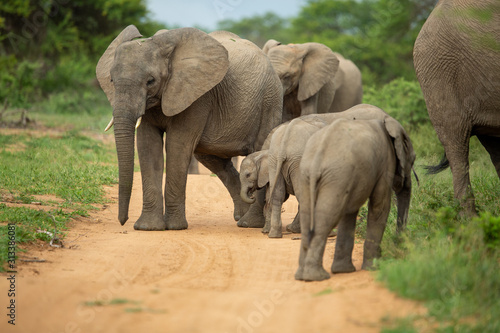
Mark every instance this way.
x=193 y=167
x=454 y=132
x=342 y=260
x=276 y=201
x=379 y=207
x=295 y=225
x=458 y=158
x=254 y=217
x=267 y=213
x=492 y=146
x=305 y=223
x=150 y=150
x=224 y=169
x=327 y=215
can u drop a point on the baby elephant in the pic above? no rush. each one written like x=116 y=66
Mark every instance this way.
x=279 y=167
x=367 y=159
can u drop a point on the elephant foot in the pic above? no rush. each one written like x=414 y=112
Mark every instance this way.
x=150 y=222
x=252 y=219
x=175 y=222
x=299 y=275
x=368 y=265
x=266 y=228
x=293 y=227
x=275 y=233
x=240 y=209
x=315 y=274
x=342 y=267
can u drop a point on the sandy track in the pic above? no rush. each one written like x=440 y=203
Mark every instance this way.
x=213 y=277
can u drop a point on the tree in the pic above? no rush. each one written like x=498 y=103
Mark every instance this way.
x=259 y=29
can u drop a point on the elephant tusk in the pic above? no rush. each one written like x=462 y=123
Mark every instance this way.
x=111 y=123
x=138 y=122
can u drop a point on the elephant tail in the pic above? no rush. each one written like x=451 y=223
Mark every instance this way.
x=434 y=169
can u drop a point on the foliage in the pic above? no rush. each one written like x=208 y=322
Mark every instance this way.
x=259 y=29
x=456 y=276
x=378 y=35
x=448 y=261
x=401 y=98
x=50 y=45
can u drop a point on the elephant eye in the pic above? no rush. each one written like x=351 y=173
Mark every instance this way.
x=247 y=175
x=151 y=81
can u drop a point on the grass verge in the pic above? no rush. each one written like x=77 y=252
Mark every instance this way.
x=448 y=262
x=70 y=166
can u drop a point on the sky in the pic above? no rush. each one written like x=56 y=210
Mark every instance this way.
x=206 y=13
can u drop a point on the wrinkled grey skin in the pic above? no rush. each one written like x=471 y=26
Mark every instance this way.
x=368 y=159
x=279 y=162
x=457 y=64
x=216 y=96
x=314 y=79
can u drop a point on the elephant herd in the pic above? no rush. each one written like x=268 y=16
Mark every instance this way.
x=295 y=111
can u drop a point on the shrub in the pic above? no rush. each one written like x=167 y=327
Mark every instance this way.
x=402 y=99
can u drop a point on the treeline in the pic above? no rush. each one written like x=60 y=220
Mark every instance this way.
x=378 y=35
x=50 y=45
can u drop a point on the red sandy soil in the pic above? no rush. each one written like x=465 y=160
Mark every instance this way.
x=212 y=277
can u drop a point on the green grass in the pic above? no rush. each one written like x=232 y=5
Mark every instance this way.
x=447 y=261
x=70 y=166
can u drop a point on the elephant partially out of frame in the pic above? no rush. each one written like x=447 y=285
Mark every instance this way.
x=215 y=95
x=457 y=61
x=343 y=165
x=314 y=79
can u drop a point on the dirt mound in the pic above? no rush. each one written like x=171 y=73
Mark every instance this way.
x=213 y=277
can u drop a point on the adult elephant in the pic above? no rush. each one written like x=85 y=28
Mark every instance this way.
x=314 y=79
x=457 y=63
x=215 y=95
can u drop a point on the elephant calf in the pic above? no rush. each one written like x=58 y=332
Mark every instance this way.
x=278 y=163
x=279 y=167
x=343 y=165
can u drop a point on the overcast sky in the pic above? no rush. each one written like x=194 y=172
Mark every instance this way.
x=206 y=13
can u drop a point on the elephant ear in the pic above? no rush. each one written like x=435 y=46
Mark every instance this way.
x=404 y=152
x=269 y=45
x=197 y=63
x=263 y=174
x=318 y=67
x=103 y=69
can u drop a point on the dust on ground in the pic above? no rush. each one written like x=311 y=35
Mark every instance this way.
x=212 y=277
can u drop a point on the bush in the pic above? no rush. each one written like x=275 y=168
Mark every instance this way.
x=18 y=81
x=402 y=99
x=455 y=271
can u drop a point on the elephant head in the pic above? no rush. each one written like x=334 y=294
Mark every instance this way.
x=307 y=67
x=169 y=70
x=405 y=156
x=254 y=174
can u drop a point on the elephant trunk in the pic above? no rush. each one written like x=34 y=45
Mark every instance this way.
x=247 y=195
x=124 y=137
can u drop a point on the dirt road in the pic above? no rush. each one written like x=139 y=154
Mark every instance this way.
x=213 y=277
